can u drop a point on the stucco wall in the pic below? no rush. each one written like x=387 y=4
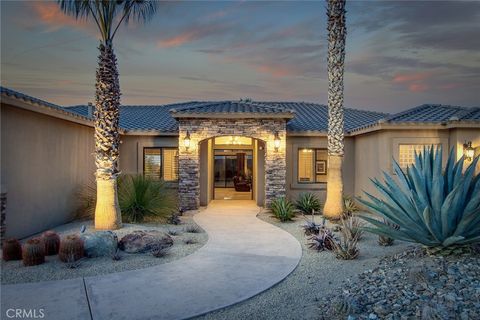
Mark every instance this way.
x=294 y=189
x=374 y=152
x=44 y=162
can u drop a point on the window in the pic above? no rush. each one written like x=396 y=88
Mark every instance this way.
x=312 y=165
x=161 y=163
x=406 y=153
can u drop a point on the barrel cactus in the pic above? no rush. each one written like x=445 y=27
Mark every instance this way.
x=438 y=209
x=12 y=250
x=33 y=252
x=71 y=248
x=52 y=242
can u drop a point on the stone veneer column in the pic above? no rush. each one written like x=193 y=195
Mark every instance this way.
x=275 y=169
x=201 y=129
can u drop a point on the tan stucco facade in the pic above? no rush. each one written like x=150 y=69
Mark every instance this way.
x=44 y=160
x=46 y=156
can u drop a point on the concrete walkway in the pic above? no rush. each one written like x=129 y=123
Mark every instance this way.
x=243 y=257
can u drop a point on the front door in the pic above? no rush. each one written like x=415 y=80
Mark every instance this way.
x=233 y=174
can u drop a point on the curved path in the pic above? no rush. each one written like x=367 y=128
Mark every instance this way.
x=243 y=257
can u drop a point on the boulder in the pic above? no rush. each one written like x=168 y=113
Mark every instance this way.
x=142 y=241
x=99 y=243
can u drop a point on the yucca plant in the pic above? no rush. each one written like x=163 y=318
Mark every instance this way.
x=308 y=203
x=140 y=197
x=282 y=209
x=438 y=209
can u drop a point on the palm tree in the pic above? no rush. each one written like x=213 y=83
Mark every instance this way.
x=108 y=15
x=336 y=56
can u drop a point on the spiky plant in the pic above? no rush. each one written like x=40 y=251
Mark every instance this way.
x=282 y=209
x=323 y=240
x=52 y=242
x=71 y=248
x=33 y=252
x=11 y=250
x=346 y=248
x=438 y=209
x=349 y=207
x=308 y=203
x=108 y=17
x=384 y=240
x=140 y=197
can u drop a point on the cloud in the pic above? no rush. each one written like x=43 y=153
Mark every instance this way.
x=412 y=77
x=51 y=15
x=193 y=33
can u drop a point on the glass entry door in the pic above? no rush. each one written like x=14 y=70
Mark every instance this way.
x=233 y=169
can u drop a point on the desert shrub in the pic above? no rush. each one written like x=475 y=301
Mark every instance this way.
x=346 y=247
x=139 y=197
x=308 y=203
x=436 y=208
x=323 y=240
x=349 y=207
x=282 y=209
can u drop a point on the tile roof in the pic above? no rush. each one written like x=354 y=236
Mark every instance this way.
x=436 y=113
x=41 y=103
x=308 y=117
x=223 y=107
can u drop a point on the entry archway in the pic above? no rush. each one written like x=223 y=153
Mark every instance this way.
x=232 y=167
x=203 y=129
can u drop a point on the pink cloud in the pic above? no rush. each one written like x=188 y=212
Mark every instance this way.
x=414 y=82
x=50 y=14
x=178 y=40
x=418 y=87
x=276 y=71
x=405 y=78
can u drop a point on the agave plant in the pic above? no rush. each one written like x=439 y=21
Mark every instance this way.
x=323 y=240
x=440 y=210
x=346 y=248
x=282 y=209
x=308 y=203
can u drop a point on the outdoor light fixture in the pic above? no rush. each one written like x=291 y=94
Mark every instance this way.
x=186 y=140
x=276 y=141
x=468 y=150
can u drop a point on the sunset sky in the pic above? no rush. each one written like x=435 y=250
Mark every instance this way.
x=399 y=54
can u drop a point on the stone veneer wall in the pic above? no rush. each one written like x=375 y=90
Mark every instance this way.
x=201 y=129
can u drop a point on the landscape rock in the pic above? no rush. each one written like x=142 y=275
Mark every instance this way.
x=142 y=241
x=99 y=243
x=412 y=285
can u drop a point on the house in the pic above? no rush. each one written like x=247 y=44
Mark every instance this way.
x=244 y=149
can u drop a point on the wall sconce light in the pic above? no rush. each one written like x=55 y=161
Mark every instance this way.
x=186 y=141
x=468 y=151
x=276 y=141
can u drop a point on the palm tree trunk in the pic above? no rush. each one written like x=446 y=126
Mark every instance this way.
x=107 y=140
x=336 y=56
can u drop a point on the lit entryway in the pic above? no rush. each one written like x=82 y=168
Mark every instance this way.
x=233 y=174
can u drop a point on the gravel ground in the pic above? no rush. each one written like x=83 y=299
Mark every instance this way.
x=412 y=285
x=317 y=275
x=54 y=269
